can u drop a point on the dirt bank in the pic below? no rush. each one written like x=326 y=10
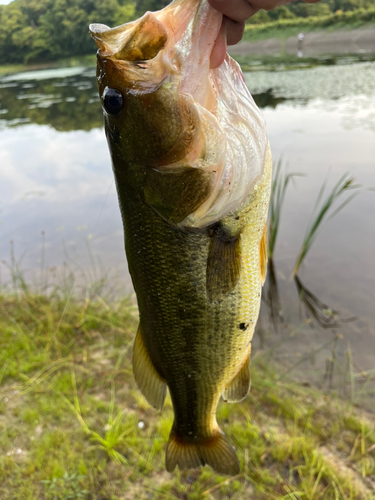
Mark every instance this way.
x=313 y=43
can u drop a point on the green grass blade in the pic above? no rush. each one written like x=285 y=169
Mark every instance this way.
x=344 y=184
x=279 y=188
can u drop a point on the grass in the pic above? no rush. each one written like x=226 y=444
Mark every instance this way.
x=280 y=182
x=74 y=425
x=343 y=185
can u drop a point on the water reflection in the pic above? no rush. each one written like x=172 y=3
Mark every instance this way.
x=65 y=103
x=67 y=99
x=267 y=99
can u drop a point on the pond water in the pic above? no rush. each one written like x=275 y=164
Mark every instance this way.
x=58 y=201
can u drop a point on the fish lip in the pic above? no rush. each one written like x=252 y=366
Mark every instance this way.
x=138 y=40
x=95 y=28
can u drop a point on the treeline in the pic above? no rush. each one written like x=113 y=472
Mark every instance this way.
x=40 y=30
x=300 y=9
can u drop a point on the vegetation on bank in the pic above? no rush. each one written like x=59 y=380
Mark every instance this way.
x=285 y=28
x=73 y=424
x=44 y=30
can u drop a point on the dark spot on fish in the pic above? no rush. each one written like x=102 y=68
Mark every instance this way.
x=243 y=326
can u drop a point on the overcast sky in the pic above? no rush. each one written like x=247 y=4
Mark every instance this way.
x=2 y=2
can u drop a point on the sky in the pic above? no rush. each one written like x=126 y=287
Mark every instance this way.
x=5 y=2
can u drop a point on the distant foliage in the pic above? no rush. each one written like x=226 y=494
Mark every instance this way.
x=35 y=30
x=40 y=30
x=348 y=18
x=305 y=10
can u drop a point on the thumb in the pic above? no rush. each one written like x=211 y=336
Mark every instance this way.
x=220 y=48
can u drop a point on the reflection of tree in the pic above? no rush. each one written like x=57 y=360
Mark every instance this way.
x=267 y=99
x=65 y=104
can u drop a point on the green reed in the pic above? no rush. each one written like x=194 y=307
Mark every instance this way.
x=322 y=210
x=280 y=183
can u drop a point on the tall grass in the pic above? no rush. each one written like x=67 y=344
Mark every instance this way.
x=321 y=211
x=280 y=183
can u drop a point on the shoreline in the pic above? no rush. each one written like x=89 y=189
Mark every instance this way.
x=360 y=41
x=354 y=41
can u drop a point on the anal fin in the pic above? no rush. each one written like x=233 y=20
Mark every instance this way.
x=152 y=386
x=239 y=387
x=215 y=451
x=263 y=255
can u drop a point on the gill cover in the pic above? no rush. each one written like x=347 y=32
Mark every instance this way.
x=220 y=131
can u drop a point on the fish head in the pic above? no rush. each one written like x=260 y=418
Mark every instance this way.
x=167 y=113
x=139 y=76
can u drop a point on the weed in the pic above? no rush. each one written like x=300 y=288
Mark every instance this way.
x=67 y=487
x=280 y=183
x=279 y=188
x=344 y=184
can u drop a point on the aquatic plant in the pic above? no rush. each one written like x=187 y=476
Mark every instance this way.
x=321 y=210
x=279 y=186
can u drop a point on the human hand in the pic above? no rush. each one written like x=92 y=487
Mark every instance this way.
x=236 y=12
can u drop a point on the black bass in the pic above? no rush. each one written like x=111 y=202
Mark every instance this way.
x=193 y=172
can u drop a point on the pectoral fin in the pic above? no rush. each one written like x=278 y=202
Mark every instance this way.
x=263 y=255
x=223 y=263
x=152 y=386
x=239 y=388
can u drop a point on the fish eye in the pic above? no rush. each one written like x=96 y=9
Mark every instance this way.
x=113 y=101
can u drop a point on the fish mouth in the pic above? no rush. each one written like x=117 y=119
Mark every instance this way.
x=141 y=40
x=181 y=37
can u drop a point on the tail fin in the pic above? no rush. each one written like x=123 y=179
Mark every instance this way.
x=216 y=451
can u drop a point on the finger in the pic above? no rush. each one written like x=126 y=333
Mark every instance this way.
x=220 y=49
x=234 y=30
x=238 y=10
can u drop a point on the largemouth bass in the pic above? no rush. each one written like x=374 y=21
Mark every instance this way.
x=193 y=171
